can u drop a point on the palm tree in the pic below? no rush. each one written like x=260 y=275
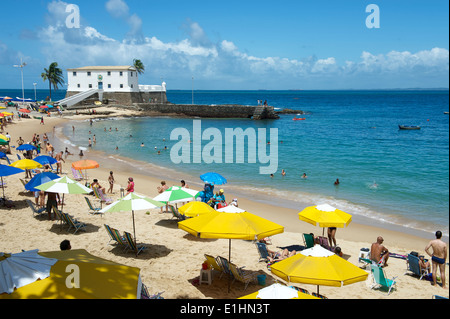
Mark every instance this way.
x=54 y=75
x=139 y=66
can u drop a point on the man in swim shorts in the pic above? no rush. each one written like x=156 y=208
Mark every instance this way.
x=379 y=253
x=438 y=257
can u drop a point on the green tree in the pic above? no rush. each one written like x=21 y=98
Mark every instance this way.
x=54 y=75
x=139 y=66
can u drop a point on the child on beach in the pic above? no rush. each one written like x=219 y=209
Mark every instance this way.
x=130 y=186
x=111 y=182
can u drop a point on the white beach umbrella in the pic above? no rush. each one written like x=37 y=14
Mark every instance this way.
x=231 y=209
x=277 y=291
x=64 y=185
x=17 y=270
x=175 y=194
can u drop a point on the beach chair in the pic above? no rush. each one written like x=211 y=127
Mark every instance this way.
x=262 y=250
x=214 y=264
x=111 y=234
x=73 y=223
x=308 y=240
x=438 y=297
x=76 y=174
x=24 y=183
x=323 y=241
x=412 y=265
x=131 y=244
x=239 y=274
x=318 y=295
x=119 y=238
x=225 y=266
x=176 y=214
x=380 y=280
x=35 y=211
x=99 y=194
x=92 y=209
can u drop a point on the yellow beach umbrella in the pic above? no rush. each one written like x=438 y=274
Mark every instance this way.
x=3 y=137
x=80 y=275
x=325 y=216
x=7 y=113
x=26 y=164
x=318 y=266
x=278 y=291
x=195 y=208
x=242 y=225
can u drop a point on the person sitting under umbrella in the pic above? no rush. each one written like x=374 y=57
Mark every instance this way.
x=95 y=183
x=218 y=201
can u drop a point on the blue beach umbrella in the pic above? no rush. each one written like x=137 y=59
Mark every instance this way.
x=26 y=147
x=213 y=178
x=40 y=179
x=6 y=170
x=2 y=155
x=45 y=159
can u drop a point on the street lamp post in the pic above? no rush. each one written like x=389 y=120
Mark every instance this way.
x=192 y=90
x=22 y=64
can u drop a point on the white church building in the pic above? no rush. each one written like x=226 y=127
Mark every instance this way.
x=116 y=83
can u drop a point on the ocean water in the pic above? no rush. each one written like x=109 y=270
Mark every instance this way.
x=387 y=176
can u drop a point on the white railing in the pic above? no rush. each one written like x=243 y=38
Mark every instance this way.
x=74 y=99
x=152 y=88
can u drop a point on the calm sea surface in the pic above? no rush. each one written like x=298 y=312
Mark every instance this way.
x=386 y=175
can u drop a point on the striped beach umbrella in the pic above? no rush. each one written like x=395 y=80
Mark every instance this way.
x=64 y=185
x=176 y=193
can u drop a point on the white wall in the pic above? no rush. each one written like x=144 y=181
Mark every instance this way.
x=129 y=80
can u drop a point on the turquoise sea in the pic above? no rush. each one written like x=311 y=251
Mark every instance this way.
x=387 y=176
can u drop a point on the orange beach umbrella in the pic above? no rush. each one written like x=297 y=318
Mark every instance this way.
x=85 y=164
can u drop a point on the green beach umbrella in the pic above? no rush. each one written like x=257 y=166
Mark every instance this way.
x=176 y=193
x=64 y=185
x=3 y=142
x=132 y=202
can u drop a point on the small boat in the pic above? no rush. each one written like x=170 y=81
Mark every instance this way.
x=408 y=127
x=298 y=119
x=445 y=112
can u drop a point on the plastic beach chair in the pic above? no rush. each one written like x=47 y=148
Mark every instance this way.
x=131 y=244
x=245 y=277
x=92 y=209
x=99 y=194
x=73 y=223
x=33 y=209
x=176 y=214
x=380 y=280
x=76 y=174
x=308 y=240
x=412 y=264
x=262 y=250
x=214 y=264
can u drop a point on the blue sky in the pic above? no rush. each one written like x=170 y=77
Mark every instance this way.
x=291 y=44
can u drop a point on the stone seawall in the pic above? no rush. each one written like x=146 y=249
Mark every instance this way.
x=211 y=111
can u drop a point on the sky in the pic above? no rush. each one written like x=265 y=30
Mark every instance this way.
x=233 y=45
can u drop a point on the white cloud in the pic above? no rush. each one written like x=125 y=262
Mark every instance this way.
x=117 y=8
x=223 y=61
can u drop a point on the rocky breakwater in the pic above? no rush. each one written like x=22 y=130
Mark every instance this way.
x=210 y=111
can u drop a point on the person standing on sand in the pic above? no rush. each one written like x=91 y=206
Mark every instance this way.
x=161 y=189
x=111 y=182
x=438 y=257
x=59 y=158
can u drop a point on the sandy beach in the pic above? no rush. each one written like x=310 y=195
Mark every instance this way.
x=173 y=258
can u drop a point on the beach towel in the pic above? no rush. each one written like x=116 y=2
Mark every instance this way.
x=394 y=255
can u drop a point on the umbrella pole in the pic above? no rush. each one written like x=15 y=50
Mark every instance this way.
x=134 y=232
x=229 y=261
